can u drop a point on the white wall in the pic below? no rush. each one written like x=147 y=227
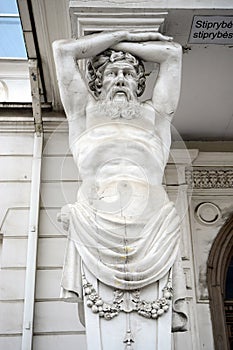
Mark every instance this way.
x=56 y=323
x=15 y=177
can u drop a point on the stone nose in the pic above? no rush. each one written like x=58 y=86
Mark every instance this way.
x=120 y=79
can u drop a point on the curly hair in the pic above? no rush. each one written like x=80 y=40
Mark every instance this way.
x=96 y=66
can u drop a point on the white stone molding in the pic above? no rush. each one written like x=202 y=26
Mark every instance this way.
x=214 y=160
x=14 y=81
x=48 y=29
x=19 y=118
x=4 y=91
x=208 y=213
x=183 y=156
x=178 y=194
x=210 y=178
x=188 y=278
x=159 y=4
x=97 y=20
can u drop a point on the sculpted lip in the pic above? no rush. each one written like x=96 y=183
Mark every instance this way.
x=120 y=92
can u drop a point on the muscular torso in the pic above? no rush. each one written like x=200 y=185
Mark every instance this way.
x=121 y=204
x=148 y=120
x=121 y=156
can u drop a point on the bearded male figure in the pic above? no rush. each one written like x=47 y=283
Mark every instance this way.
x=123 y=230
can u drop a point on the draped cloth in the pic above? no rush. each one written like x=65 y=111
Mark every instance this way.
x=123 y=226
x=132 y=265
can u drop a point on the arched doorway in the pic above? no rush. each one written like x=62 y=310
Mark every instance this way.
x=228 y=302
x=219 y=277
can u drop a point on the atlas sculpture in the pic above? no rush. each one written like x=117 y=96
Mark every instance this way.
x=123 y=231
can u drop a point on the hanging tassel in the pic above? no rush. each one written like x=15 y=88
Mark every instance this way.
x=128 y=340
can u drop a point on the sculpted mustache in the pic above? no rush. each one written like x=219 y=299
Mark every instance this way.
x=121 y=89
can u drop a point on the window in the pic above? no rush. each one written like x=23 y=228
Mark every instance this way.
x=229 y=301
x=14 y=74
x=12 y=43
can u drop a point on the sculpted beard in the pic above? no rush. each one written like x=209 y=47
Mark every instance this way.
x=119 y=103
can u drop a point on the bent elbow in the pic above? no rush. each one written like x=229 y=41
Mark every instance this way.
x=177 y=50
x=61 y=46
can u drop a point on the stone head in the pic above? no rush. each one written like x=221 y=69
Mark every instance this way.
x=116 y=73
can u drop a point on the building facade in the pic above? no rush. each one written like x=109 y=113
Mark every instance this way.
x=38 y=176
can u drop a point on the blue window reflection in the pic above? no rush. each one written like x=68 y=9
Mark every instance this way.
x=8 y=6
x=11 y=35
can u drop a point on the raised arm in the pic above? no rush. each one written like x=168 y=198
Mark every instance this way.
x=71 y=80
x=168 y=54
x=67 y=53
x=149 y=46
x=72 y=86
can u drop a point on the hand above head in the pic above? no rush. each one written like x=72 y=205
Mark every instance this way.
x=136 y=36
x=147 y=45
x=91 y=45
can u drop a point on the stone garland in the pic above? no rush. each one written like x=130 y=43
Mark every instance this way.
x=147 y=309
x=210 y=178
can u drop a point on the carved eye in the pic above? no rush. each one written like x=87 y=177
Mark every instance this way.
x=110 y=74
x=129 y=74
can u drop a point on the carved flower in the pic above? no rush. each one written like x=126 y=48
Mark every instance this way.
x=147 y=307
x=87 y=291
x=114 y=308
x=160 y=312
x=95 y=309
x=167 y=295
x=144 y=313
x=99 y=302
x=163 y=301
x=108 y=316
x=155 y=306
x=106 y=307
x=89 y=303
x=93 y=296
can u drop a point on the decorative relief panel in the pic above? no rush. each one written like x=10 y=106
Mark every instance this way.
x=210 y=178
x=208 y=213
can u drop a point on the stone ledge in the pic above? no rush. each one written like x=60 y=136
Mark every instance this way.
x=156 y=4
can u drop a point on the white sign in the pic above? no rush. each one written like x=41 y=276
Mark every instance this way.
x=212 y=30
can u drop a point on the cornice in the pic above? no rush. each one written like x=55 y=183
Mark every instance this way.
x=210 y=178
